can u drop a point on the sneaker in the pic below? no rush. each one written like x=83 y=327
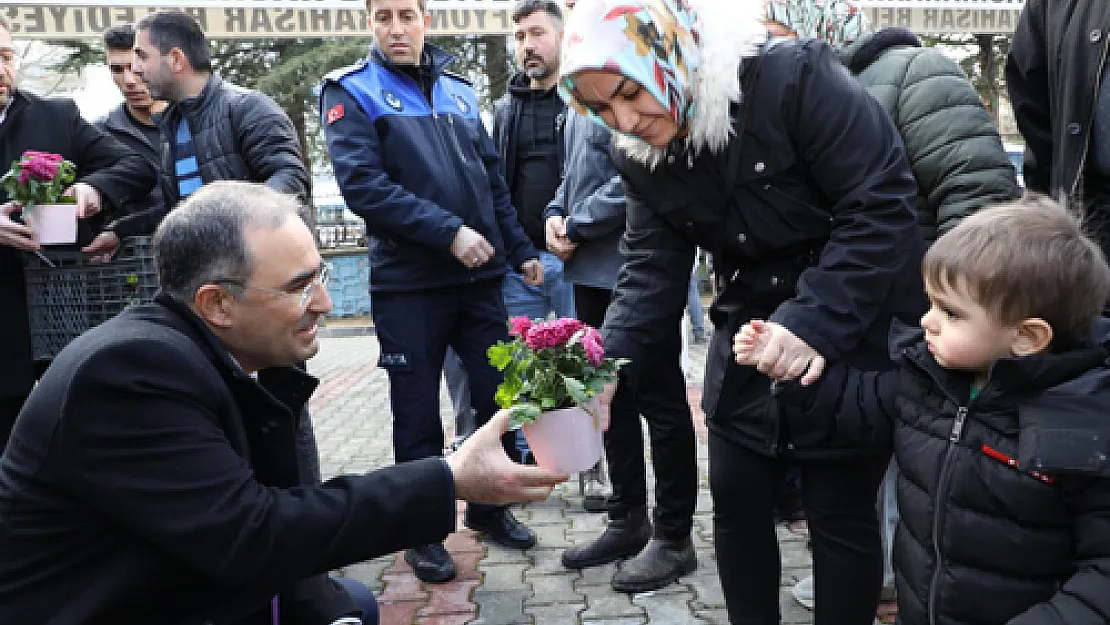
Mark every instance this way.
x=431 y=563
x=803 y=592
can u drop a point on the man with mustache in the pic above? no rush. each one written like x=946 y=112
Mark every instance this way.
x=108 y=178
x=131 y=123
x=151 y=477
x=415 y=162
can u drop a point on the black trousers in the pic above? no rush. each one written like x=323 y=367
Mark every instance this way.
x=660 y=397
x=839 y=501
x=414 y=329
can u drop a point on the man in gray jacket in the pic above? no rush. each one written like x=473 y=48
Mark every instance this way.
x=584 y=225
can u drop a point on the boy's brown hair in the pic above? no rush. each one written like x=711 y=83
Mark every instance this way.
x=1029 y=258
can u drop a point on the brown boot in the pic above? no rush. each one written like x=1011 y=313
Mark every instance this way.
x=622 y=538
x=660 y=564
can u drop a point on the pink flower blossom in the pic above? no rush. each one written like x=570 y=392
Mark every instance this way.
x=24 y=176
x=595 y=353
x=552 y=333
x=41 y=169
x=518 y=326
x=46 y=156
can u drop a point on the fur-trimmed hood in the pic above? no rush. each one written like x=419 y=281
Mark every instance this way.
x=731 y=31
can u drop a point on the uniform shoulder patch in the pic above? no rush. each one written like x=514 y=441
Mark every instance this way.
x=458 y=77
x=334 y=114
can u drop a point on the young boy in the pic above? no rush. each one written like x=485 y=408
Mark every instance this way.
x=1001 y=415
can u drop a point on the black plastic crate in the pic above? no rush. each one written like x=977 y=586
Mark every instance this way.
x=65 y=300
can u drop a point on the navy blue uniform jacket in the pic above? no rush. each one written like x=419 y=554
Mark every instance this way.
x=416 y=171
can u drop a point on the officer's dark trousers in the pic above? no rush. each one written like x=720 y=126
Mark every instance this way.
x=414 y=329
x=660 y=397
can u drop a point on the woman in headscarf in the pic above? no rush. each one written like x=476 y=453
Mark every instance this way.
x=767 y=153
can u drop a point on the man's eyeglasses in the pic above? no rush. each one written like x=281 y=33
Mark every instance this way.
x=304 y=296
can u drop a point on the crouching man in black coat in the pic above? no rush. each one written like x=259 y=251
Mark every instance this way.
x=999 y=409
x=151 y=476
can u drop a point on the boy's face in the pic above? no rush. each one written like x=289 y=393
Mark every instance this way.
x=962 y=335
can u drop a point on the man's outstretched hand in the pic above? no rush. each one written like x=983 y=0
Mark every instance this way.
x=484 y=473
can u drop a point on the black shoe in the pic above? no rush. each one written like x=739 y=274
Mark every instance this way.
x=622 y=538
x=431 y=563
x=659 y=565
x=501 y=527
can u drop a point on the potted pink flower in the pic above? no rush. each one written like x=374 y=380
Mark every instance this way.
x=553 y=372
x=37 y=181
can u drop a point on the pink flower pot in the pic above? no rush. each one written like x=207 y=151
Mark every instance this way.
x=53 y=224
x=567 y=440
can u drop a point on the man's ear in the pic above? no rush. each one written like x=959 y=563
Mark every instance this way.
x=214 y=304
x=180 y=61
x=1033 y=336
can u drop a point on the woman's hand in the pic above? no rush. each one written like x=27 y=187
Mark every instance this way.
x=14 y=234
x=776 y=352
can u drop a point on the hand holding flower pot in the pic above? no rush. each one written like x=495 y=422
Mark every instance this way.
x=38 y=182
x=554 y=372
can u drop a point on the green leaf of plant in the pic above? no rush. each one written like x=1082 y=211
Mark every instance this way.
x=522 y=414
x=576 y=390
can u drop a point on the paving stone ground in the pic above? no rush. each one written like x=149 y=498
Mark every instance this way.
x=498 y=586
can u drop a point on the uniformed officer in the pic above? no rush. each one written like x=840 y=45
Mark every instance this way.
x=413 y=159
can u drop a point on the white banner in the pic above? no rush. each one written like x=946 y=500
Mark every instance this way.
x=946 y=21
x=86 y=22
x=283 y=4
x=943 y=4
x=71 y=19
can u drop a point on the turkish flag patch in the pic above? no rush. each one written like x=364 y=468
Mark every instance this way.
x=335 y=114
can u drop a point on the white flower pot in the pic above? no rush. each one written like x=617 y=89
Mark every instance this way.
x=53 y=224
x=567 y=440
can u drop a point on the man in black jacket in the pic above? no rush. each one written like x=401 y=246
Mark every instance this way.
x=526 y=130
x=213 y=130
x=131 y=123
x=1056 y=77
x=151 y=476
x=108 y=177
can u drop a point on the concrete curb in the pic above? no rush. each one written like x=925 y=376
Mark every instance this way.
x=338 y=332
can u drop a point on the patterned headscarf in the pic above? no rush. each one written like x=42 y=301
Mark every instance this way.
x=835 y=22
x=649 y=41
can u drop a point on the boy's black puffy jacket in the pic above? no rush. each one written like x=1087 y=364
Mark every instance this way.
x=1005 y=499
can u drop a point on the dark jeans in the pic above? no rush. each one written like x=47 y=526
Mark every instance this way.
x=660 y=396
x=839 y=501
x=414 y=329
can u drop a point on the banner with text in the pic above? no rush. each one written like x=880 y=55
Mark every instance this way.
x=82 y=22
x=69 y=19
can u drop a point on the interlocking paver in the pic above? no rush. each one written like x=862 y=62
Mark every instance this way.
x=610 y=606
x=496 y=586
